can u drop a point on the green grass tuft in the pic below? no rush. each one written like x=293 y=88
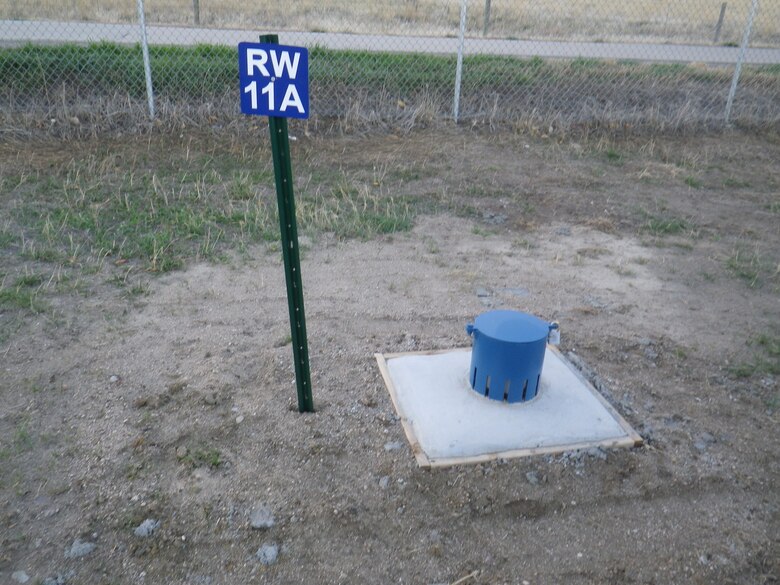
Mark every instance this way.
x=666 y=226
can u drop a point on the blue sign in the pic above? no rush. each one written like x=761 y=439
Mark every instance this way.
x=274 y=80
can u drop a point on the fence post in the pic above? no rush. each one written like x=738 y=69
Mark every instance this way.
x=147 y=64
x=196 y=10
x=740 y=59
x=486 y=24
x=720 y=23
x=459 y=66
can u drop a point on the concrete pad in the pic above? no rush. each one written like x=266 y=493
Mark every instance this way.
x=447 y=423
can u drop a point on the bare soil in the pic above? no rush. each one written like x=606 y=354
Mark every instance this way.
x=659 y=257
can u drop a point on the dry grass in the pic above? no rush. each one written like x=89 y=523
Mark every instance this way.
x=607 y=20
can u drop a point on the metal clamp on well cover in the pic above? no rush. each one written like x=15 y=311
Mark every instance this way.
x=507 y=354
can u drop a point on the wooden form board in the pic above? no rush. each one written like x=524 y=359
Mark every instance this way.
x=632 y=438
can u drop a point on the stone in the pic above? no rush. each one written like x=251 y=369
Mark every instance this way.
x=20 y=577
x=261 y=517
x=59 y=579
x=393 y=446
x=517 y=291
x=703 y=441
x=384 y=481
x=532 y=477
x=597 y=453
x=268 y=554
x=79 y=549
x=483 y=292
x=147 y=528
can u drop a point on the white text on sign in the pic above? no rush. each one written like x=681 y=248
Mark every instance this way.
x=274 y=80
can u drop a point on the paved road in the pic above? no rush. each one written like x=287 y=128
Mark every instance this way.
x=16 y=32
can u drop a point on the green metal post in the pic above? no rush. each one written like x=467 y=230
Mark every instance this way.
x=280 y=147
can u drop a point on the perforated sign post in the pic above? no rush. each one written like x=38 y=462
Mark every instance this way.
x=275 y=83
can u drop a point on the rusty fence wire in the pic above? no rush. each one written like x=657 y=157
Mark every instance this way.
x=556 y=62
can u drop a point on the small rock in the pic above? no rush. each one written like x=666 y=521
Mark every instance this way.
x=704 y=441
x=483 y=292
x=645 y=342
x=517 y=291
x=393 y=446
x=211 y=399
x=146 y=528
x=650 y=353
x=595 y=302
x=563 y=231
x=384 y=481
x=239 y=419
x=262 y=517
x=532 y=477
x=20 y=577
x=60 y=579
x=79 y=549
x=114 y=379
x=597 y=453
x=494 y=218
x=177 y=386
x=268 y=554
x=181 y=452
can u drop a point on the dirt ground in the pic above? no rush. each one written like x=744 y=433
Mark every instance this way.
x=659 y=256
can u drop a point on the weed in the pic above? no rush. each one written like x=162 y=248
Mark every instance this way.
x=354 y=211
x=733 y=183
x=707 y=276
x=666 y=225
x=622 y=270
x=29 y=280
x=767 y=360
x=773 y=402
x=431 y=246
x=523 y=244
x=770 y=345
x=482 y=232
x=751 y=266
x=7 y=238
x=21 y=299
x=204 y=457
x=23 y=440
x=693 y=182
x=613 y=155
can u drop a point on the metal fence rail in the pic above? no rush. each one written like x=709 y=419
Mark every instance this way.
x=667 y=62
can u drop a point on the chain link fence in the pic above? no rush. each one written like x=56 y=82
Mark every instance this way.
x=547 y=62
